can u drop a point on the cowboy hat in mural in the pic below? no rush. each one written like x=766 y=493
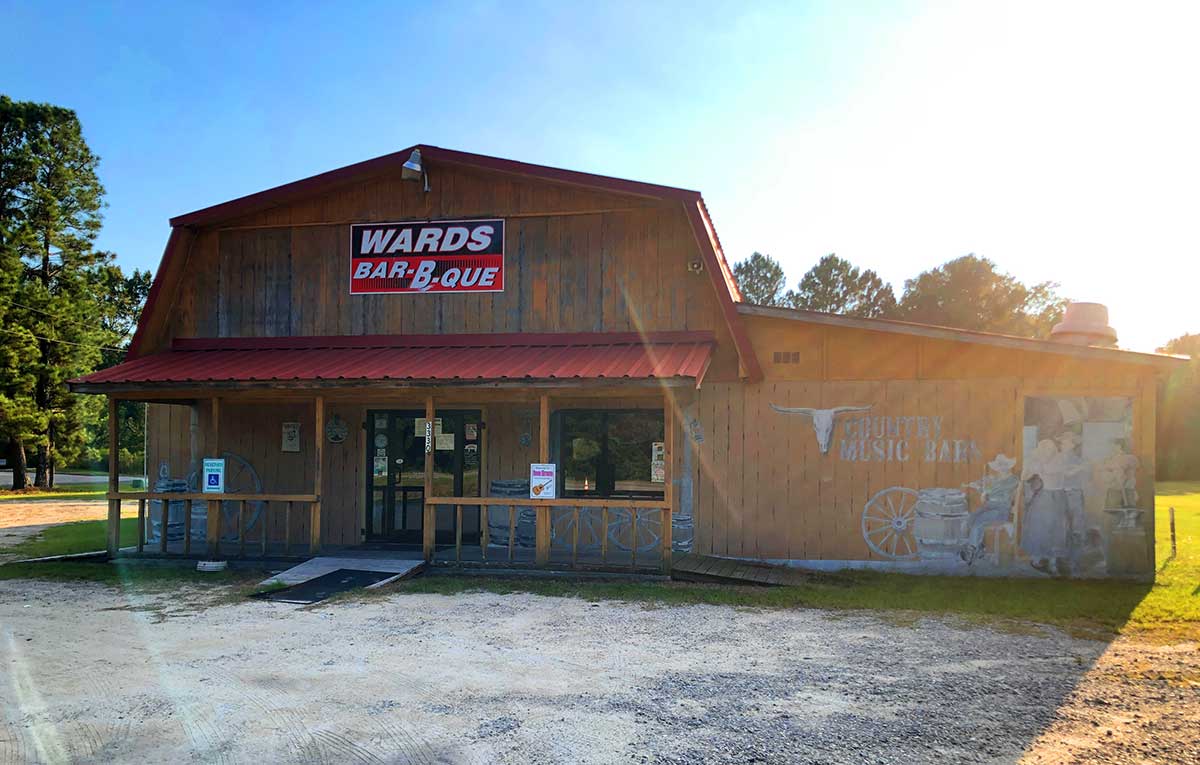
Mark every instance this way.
x=1002 y=464
x=822 y=419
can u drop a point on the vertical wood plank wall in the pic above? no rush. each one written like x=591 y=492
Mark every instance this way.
x=581 y=260
x=764 y=490
x=507 y=453
x=169 y=436
x=253 y=431
x=576 y=260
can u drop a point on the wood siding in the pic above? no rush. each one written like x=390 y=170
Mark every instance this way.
x=253 y=432
x=764 y=490
x=757 y=484
x=575 y=261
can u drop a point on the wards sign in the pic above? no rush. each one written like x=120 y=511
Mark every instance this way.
x=438 y=256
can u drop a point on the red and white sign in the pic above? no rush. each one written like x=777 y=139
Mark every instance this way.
x=431 y=256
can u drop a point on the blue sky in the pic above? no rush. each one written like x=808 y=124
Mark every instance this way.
x=1057 y=139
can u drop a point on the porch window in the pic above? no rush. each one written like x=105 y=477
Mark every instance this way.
x=612 y=453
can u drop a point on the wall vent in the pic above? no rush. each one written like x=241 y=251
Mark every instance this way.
x=787 y=357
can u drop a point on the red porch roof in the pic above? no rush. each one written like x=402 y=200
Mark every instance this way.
x=416 y=358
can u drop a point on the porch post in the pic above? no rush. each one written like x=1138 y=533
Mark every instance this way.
x=212 y=528
x=314 y=531
x=668 y=481
x=542 y=512
x=114 y=485
x=429 y=521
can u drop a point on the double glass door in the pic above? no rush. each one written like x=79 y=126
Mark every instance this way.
x=396 y=463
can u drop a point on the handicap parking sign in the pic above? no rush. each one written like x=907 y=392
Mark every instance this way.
x=214 y=476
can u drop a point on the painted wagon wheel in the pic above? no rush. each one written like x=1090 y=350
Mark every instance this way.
x=620 y=526
x=888 y=522
x=562 y=528
x=240 y=478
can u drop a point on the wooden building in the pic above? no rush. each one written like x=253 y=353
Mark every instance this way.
x=380 y=353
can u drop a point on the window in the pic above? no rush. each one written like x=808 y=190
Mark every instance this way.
x=612 y=453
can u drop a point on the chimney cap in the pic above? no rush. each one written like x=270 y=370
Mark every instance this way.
x=1085 y=324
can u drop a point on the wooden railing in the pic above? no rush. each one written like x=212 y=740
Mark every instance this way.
x=543 y=524
x=213 y=530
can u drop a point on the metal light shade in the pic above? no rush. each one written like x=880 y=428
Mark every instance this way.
x=412 y=168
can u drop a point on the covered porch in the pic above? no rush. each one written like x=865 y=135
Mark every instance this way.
x=436 y=466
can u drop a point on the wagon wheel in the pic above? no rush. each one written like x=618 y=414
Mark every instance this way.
x=240 y=478
x=887 y=523
x=620 y=526
x=563 y=528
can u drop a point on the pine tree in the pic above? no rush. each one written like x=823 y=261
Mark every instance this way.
x=50 y=202
x=760 y=279
x=834 y=285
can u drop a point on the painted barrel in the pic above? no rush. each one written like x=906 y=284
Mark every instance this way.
x=941 y=524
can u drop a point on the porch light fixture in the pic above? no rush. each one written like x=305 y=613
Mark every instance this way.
x=412 y=170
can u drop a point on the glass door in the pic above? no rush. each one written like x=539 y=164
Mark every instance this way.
x=396 y=461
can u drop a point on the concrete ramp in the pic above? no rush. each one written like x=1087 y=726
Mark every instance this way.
x=325 y=564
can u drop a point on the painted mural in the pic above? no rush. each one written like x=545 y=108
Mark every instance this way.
x=1079 y=481
x=1071 y=511
x=884 y=438
x=937 y=524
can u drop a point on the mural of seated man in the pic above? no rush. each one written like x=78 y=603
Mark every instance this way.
x=997 y=490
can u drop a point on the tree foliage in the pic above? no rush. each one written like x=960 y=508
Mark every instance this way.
x=834 y=285
x=1184 y=345
x=965 y=293
x=1178 y=438
x=761 y=279
x=969 y=293
x=125 y=297
x=58 y=319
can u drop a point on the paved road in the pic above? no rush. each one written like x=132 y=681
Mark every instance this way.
x=60 y=478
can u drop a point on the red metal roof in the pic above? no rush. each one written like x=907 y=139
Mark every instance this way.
x=705 y=233
x=467 y=358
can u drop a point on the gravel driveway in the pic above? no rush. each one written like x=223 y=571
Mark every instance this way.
x=89 y=674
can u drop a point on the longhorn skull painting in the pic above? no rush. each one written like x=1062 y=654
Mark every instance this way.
x=822 y=419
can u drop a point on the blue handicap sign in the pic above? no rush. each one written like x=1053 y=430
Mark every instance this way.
x=214 y=479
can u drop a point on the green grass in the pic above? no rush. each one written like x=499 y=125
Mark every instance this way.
x=69 y=538
x=1167 y=609
x=272 y=586
x=127 y=574
x=1173 y=604
x=87 y=471
x=1083 y=607
x=72 y=491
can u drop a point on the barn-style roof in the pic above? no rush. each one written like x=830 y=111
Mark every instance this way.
x=704 y=231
